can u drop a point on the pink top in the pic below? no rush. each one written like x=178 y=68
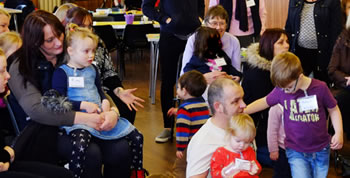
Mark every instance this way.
x=234 y=27
x=275 y=129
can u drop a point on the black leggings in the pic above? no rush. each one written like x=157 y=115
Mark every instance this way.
x=30 y=169
x=80 y=141
x=135 y=139
x=113 y=154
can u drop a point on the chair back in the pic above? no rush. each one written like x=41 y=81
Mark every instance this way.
x=117 y=17
x=108 y=36
x=135 y=35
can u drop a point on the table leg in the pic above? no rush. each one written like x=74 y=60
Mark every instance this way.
x=151 y=73
x=155 y=72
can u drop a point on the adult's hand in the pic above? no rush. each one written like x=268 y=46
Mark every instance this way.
x=93 y=120
x=11 y=152
x=129 y=98
x=109 y=121
x=4 y=166
x=211 y=76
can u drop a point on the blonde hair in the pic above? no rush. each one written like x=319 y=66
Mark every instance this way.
x=285 y=68
x=61 y=11
x=242 y=125
x=74 y=32
x=9 y=39
x=2 y=53
x=4 y=12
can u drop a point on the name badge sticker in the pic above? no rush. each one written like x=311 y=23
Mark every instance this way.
x=250 y=3
x=76 y=82
x=242 y=164
x=308 y=103
x=220 y=62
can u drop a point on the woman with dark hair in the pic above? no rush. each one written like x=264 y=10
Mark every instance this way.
x=257 y=75
x=111 y=83
x=31 y=69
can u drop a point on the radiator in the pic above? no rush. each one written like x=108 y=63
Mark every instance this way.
x=49 y=5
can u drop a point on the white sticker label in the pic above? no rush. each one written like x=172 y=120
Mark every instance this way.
x=242 y=164
x=250 y=3
x=308 y=103
x=76 y=82
x=220 y=62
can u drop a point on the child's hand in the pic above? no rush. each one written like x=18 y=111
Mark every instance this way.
x=274 y=155
x=337 y=141
x=179 y=154
x=172 y=111
x=106 y=106
x=89 y=107
x=254 y=168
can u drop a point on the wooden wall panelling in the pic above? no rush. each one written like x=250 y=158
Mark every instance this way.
x=277 y=11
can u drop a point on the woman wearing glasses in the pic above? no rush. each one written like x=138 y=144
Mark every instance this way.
x=216 y=18
x=256 y=81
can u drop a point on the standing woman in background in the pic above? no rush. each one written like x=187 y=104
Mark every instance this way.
x=247 y=19
x=313 y=27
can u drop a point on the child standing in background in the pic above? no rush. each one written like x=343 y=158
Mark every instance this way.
x=305 y=102
x=190 y=116
x=275 y=142
x=208 y=55
x=237 y=159
x=78 y=79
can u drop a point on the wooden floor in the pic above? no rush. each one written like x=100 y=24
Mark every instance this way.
x=158 y=158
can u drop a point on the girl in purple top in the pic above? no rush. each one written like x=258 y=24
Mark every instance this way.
x=305 y=101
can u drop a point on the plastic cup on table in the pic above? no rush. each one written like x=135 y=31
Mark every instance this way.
x=129 y=18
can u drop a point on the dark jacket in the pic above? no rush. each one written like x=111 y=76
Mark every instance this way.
x=200 y=65
x=227 y=4
x=184 y=15
x=339 y=66
x=256 y=84
x=327 y=15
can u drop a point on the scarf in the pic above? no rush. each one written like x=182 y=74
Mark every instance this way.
x=241 y=14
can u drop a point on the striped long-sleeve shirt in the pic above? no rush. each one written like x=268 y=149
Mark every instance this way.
x=191 y=115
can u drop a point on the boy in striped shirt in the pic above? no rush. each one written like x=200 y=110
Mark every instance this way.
x=191 y=114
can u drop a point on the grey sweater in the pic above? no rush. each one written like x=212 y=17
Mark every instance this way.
x=29 y=99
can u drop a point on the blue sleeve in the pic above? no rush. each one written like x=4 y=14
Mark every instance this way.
x=60 y=83
x=98 y=84
x=191 y=65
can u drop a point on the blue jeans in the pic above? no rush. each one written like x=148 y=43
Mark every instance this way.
x=309 y=165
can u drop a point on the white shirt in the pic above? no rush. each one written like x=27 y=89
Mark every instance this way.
x=202 y=146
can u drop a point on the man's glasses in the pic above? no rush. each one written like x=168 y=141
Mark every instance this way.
x=289 y=90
